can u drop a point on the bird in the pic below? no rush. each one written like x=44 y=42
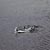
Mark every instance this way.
x=25 y=29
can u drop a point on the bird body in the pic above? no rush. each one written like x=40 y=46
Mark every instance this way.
x=25 y=29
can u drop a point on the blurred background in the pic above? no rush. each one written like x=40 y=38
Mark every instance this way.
x=20 y=12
